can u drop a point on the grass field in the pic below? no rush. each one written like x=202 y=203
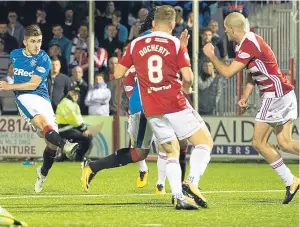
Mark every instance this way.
x=238 y=195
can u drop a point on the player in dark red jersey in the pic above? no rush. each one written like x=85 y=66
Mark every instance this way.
x=158 y=59
x=279 y=104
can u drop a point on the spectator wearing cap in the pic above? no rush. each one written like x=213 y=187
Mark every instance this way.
x=180 y=25
x=10 y=42
x=122 y=31
x=70 y=29
x=55 y=51
x=97 y=98
x=15 y=28
x=71 y=125
x=58 y=84
x=64 y=43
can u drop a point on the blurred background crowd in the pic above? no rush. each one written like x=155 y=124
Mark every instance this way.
x=65 y=28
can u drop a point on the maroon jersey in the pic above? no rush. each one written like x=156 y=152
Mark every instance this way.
x=158 y=58
x=262 y=64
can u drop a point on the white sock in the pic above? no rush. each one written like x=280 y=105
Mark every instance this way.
x=161 y=168
x=283 y=171
x=199 y=160
x=143 y=166
x=173 y=172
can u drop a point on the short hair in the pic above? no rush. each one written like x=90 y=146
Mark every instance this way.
x=32 y=30
x=56 y=25
x=84 y=24
x=117 y=13
x=54 y=58
x=100 y=74
x=164 y=14
x=205 y=30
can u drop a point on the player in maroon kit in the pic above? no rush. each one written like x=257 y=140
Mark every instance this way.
x=279 y=104
x=159 y=58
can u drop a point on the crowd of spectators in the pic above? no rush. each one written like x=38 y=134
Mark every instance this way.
x=65 y=31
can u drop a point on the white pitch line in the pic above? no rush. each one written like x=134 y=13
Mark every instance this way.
x=127 y=195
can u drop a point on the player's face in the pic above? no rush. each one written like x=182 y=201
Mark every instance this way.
x=55 y=67
x=33 y=44
x=229 y=32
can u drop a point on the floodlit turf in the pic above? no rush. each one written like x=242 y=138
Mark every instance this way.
x=113 y=199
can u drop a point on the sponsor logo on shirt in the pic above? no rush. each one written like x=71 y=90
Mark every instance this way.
x=243 y=55
x=22 y=72
x=41 y=69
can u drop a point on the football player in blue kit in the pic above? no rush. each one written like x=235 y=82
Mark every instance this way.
x=31 y=68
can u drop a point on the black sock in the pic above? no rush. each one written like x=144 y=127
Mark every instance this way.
x=54 y=138
x=182 y=162
x=117 y=159
x=49 y=156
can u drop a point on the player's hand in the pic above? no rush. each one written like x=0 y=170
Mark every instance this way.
x=209 y=50
x=243 y=102
x=184 y=38
x=3 y=86
x=86 y=133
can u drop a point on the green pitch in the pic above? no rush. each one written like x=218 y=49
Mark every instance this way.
x=237 y=194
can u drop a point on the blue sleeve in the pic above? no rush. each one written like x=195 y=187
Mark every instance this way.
x=123 y=34
x=105 y=36
x=43 y=66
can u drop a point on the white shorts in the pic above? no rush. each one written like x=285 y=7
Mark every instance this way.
x=181 y=124
x=278 y=110
x=30 y=105
x=139 y=130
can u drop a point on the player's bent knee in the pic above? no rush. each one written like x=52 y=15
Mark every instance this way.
x=285 y=145
x=141 y=154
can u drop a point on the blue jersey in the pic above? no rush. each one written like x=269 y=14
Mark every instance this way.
x=26 y=66
x=135 y=104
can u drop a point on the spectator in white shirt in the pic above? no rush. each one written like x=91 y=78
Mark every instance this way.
x=97 y=98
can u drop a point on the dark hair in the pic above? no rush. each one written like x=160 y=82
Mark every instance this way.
x=32 y=30
x=54 y=58
x=117 y=13
x=205 y=30
x=147 y=25
x=84 y=24
x=56 y=25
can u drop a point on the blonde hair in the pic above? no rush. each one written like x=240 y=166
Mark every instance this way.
x=164 y=15
x=236 y=20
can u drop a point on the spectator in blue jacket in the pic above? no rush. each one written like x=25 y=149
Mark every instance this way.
x=122 y=31
x=64 y=43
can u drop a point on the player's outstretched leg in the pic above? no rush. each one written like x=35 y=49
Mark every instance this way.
x=119 y=158
x=42 y=171
x=142 y=179
x=262 y=132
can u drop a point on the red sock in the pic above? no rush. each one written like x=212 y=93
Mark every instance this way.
x=46 y=129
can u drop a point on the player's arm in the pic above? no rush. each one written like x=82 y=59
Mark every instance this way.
x=225 y=70
x=31 y=85
x=187 y=79
x=250 y=85
x=120 y=71
x=124 y=64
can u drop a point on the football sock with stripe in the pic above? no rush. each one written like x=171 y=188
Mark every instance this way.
x=283 y=171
